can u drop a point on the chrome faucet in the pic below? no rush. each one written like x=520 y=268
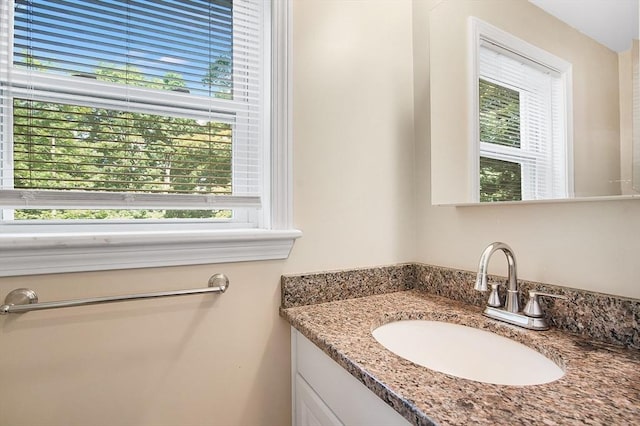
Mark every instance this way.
x=513 y=292
x=531 y=317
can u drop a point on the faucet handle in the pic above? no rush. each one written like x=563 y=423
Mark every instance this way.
x=533 y=309
x=494 y=297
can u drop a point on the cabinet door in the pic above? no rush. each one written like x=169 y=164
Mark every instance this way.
x=345 y=398
x=309 y=408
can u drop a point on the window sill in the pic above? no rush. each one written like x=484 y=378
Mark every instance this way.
x=33 y=254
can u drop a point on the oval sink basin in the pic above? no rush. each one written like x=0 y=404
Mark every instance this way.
x=467 y=352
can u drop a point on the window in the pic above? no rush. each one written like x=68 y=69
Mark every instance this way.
x=522 y=141
x=142 y=127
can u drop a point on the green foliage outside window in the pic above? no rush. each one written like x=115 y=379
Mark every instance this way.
x=499 y=114
x=63 y=146
x=500 y=180
x=499 y=124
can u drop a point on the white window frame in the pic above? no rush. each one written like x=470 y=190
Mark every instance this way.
x=480 y=31
x=40 y=247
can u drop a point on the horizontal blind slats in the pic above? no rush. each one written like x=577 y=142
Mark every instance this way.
x=111 y=90
x=165 y=37
x=93 y=162
x=138 y=99
x=115 y=200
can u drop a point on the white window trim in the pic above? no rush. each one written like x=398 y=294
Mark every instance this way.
x=479 y=30
x=29 y=253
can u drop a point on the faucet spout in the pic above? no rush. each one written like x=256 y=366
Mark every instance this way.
x=512 y=303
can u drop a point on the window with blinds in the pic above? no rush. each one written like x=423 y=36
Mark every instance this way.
x=133 y=109
x=521 y=106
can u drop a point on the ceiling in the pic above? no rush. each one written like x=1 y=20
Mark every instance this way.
x=613 y=23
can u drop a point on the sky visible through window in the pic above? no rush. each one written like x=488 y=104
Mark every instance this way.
x=170 y=43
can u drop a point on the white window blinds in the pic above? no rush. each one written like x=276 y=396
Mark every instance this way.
x=523 y=148
x=133 y=104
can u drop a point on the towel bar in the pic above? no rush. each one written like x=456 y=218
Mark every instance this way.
x=24 y=300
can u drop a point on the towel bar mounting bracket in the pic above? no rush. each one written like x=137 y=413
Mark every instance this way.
x=21 y=296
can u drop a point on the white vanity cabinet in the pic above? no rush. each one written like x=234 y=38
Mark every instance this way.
x=324 y=394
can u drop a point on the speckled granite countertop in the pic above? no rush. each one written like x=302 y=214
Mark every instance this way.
x=601 y=384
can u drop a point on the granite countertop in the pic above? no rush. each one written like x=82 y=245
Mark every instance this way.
x=601 y=384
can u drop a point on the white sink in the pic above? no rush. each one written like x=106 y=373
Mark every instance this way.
x=467 y=352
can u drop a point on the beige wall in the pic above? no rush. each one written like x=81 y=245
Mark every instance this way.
x=625 y=70
x=628 y=86
x=589 y=245
x=636 y=115
x=596 y=139
x=219 y=360
x=353 y=131
x=225 y=360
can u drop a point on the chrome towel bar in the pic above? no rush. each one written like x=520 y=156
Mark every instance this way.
x=24 y=300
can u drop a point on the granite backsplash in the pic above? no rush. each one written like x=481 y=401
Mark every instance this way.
x=597 y=316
